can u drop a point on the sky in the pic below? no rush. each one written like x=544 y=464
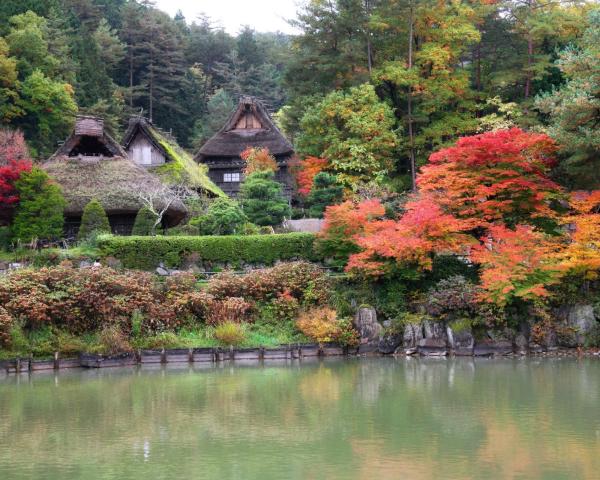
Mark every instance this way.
x=262 y=15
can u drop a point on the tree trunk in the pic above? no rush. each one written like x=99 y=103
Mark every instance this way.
x=411 y=134
x=529 y=64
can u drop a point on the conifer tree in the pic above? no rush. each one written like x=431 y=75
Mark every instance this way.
x=144 y=222
x=262 y=199
x=93 y=221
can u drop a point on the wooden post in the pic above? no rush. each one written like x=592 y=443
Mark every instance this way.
x=18 y=366
x=56 y=361
x=163 y=356
x=191 y=355
x=261 y=353
x=30 y=362
x=231 y=354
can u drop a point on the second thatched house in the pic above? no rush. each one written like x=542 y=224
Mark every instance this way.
x=91 y=164
x=248 y=126
x=159 y=153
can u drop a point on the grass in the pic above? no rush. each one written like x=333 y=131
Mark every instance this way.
x=42 y=343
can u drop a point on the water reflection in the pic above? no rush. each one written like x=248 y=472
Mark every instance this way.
x=346 y=419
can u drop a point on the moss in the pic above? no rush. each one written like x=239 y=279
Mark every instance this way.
x=182 y=167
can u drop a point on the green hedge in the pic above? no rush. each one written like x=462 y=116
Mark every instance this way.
x=147 y=252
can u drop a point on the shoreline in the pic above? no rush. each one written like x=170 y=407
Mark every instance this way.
x=255 y=356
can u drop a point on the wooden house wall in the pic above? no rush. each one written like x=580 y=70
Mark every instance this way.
x=140 y=147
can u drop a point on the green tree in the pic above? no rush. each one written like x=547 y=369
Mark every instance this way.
x=262 y=199
x=224 y=217
x=326 y=191
x=8 y=85
x=354 y=130
x=574 y=109
x=93 y=221
x=219 y=108
x=49 y=111
x=144 y=222
x=39 y=214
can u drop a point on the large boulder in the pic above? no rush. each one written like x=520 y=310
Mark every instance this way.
x=413 y=332
x=432 y=347
x=578 y=321
x=369 y=329
x=389 y=342
x=435 y=330
x=460 y=340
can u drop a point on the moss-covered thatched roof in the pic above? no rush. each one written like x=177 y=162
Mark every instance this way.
x=180 y=166
x=237 y=135
x=114 y=180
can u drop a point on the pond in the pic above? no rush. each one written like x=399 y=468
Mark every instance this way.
x=379 y=418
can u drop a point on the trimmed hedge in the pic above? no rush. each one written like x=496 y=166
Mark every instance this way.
x=146 y=253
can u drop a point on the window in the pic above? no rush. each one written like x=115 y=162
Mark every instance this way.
x=231 y=177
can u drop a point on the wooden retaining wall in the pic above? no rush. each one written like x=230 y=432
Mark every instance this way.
x=174 y=356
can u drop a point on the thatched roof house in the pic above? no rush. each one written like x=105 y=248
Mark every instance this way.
x=248 y=126
x=91 y=164
x=159 y=152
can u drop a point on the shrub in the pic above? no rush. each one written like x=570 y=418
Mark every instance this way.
x=147 y=253
x=224 y=217
x=112 y=340
x=454 y=297
x=144 y=223
x=40 y=210
x=93 y=221
x=262 y=199
x=322 y=325
x=6 y=324
x=83 y=300
x=284 y=307
x=230 y=333
x=5 y=238
x=264 y=284
x=228 y=310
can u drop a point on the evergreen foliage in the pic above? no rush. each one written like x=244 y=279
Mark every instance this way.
x=224 y=217
x=93 y=221
x=39 y=214
x=326 y=191
x=262 y=199
x=144 y=222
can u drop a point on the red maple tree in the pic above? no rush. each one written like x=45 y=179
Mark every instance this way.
x=495 y=177
x=14 y=160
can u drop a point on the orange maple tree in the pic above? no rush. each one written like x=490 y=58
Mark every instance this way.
x=581 y=255
x=424 y=230
x=307 y=171
x=258 y=159
x=516 y=263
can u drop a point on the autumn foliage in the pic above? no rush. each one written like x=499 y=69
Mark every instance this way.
x=258 y=160
x=499 y=176
x=306 y=172
x=488 y=199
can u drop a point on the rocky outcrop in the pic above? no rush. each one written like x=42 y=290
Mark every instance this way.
x=461 y=341
x=413 y=333
x=369 y=329
x=577 y=322
x=432 y=347
x=389 y=342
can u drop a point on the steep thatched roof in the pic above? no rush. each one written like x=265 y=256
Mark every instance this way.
x=180 y=164
x=112 y=179
x=248 y=126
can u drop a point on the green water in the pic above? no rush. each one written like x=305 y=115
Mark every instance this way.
x=337 y=419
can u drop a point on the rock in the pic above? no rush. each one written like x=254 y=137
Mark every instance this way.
x=14 y=266
x=432 y=347
x=461 y=341
x=163 y=272
x=535 y=348
x=413 y=332
x=389 y=342
x=488 y=349
x=369 y=329
x=410 y=351
x=521 y=344
x=387 y=323
x=434 y=330
x=3 y=265
x=579 y=321
x=85 y=264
